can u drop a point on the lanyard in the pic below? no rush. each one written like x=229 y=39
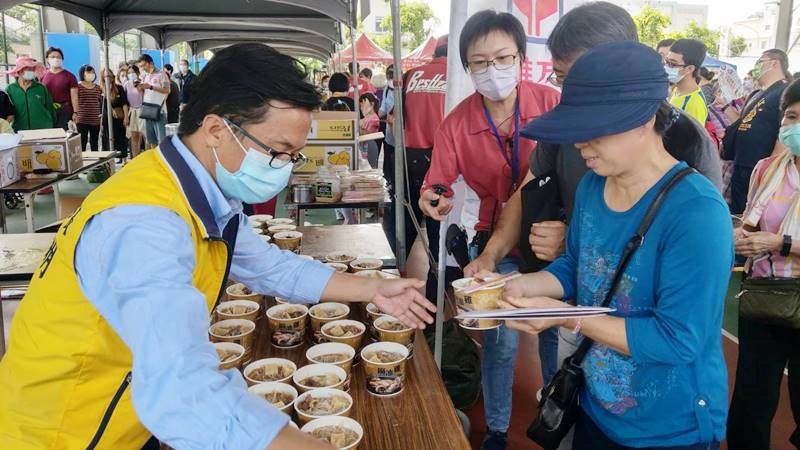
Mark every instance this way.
x=514 y=162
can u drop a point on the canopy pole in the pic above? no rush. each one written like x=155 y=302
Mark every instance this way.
x=399 y=143
x=357 y=127
x=108 y=81
x=782 y=34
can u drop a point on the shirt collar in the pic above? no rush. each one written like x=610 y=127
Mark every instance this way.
x=222 y=207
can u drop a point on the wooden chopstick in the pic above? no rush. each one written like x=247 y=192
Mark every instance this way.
x=492 y=283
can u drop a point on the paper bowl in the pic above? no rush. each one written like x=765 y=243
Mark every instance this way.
x=336 y=421
x=319 y=369
x=340 y=257
x=339 y=267
x=353 y=341
x=384 y=379
x=225 y=310
x=288 y=240
x=316 y=354
x=260 y=219
x=229 y=347
x=245 y=338
x=305 y=417
x=262 y=389
x=287 y=332
x=280 y=221
x=278 y=228
x=372 y=314
x=259 y=231
x=377 y=274
x=360 y=264
x=255 y=379
x=403 y=337
x=234 y=293
x=318 y=318
x=483 y=300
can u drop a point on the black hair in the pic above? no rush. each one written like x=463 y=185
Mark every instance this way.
x=369 y=96
x=780 y=56
x=693 y=52
x=791 y=95
x=134 y=68
x=665 y=43
x=253 y=74
x=168 y=67
x=440 y=51
x=350 y=67
x=390 y=72
x=482 y=23
x=341 y=106
x=325 y=77
x=588 y=26
x=86 y=68
x=52 y=50
x=365 y=72
x=666 y=116
x=145 y=58
x=706 y=74
x=338 y=83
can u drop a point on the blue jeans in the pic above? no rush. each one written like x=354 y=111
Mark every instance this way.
x=499 y=357
x=156 y=130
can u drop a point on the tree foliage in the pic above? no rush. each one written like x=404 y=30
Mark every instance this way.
x=651 y=24
x=737 y=45
x=700 y=33
x=417 y=20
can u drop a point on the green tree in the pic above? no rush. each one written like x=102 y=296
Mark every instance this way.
x=737 y=46
x=417 y=21
x=651 y=24
x=702 y=33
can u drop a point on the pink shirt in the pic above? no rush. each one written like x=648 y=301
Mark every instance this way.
x=771 y=219
x=370 y=124
x=134 y=96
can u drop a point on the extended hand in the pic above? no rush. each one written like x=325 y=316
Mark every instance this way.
x=757 y=243
x=435 y=212
x=400 y=298
x=483 y=263
x=547 y=239
x=533 y=326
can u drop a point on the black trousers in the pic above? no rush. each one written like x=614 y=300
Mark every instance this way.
x=90 y=134
x=740 y=183
x=764 y=352
x=120 y=139
x=62 y=118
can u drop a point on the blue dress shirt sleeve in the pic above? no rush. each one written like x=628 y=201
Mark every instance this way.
x=146 y=295
x=268 y=270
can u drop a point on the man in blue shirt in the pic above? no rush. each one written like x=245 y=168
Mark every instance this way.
x=143 y=268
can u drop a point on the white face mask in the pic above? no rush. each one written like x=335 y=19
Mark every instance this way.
x=132 y=76
x=56 y=63
x=90 y=77
x=28 y=75
x=184 y=69
x=496 y=84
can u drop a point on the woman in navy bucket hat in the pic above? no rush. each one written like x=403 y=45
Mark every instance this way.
x=655 y=376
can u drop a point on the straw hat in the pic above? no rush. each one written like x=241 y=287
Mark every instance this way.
x=26 y=62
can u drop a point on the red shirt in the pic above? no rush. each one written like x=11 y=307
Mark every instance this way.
x=424 y=88
x=364 y=86
x=59 y=85
x=465 y=145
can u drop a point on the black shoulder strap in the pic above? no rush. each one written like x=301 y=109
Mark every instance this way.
x=630 y=248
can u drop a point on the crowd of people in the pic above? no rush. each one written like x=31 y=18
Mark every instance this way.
x=627 y=119
x=52 y=97
x=560 y=184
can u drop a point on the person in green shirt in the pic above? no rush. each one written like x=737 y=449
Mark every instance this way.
x=683 y=63
x=32 y=101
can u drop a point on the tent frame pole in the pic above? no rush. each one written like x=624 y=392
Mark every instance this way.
x=399 y=142
x=108 y=81
x=357 y=127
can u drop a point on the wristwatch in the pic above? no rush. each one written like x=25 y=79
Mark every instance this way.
x=787 y=245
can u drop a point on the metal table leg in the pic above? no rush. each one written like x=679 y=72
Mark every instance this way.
x=3 y=215
x=2 y=328
x=57 y=199
x=29 y=210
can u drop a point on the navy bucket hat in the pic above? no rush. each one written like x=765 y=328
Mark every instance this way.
x=612 y=88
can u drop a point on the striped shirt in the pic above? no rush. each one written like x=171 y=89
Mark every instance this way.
x=774 y=213
x=89 y=101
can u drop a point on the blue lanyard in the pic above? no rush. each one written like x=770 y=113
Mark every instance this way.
x=514 y=162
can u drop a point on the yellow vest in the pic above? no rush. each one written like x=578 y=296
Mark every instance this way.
x=64 y=381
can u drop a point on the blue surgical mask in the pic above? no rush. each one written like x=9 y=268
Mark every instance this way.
x=790 y=137
x=28 y=75
x=673 y=74
x=256 y=181
x=133 y=76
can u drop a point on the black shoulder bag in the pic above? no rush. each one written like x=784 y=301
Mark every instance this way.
x=558 y=409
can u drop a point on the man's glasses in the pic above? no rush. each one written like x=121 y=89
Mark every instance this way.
x=500 y=63
x=556 y=79
x=279 y=159
x=674 y=65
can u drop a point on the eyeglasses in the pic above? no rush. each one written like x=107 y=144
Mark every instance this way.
x=762 y=61
x=500 y=63
x=673 y=65
x=556 y=79
x=279 y=159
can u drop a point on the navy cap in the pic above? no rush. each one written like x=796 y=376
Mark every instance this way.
x=612 y=88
